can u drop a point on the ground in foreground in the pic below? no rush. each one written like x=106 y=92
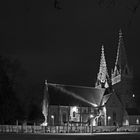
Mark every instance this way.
x=96 y=136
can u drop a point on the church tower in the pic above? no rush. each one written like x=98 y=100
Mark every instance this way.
x=102 y=76
x=122 y=77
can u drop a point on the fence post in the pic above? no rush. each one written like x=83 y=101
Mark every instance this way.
x=67 y=127
x=26 y=128
x=34 y=128
x=17 y=126
x=58 y=128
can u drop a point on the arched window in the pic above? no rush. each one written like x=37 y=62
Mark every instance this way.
x=74 y=113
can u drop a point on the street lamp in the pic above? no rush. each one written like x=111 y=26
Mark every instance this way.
x=137 y=121
x=52 y=116
x=109 y=118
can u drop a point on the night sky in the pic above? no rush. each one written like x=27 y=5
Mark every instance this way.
x=62 y=43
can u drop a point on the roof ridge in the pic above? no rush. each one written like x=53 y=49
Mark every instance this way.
x=74 y=86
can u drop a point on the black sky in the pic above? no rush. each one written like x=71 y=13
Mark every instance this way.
x=64 y=45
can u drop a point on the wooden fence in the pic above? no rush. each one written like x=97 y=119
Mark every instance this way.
x=64 y=129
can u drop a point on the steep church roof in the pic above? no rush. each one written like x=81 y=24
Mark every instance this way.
x=74 y=95
x=121 y=63
x=121 y=60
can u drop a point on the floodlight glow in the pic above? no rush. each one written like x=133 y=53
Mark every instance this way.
x=74 y=109
x=104 y=109
x=72 y=94
x=94 y=105
x=44 y=124
x=91 y=116
x=133 y=95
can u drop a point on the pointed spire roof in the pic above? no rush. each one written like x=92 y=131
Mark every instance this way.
x=121 y=59
x=103 y=74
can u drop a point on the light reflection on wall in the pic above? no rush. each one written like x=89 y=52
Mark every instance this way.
x=126 y=122
x=104 y=113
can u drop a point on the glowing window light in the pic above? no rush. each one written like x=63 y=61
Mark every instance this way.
x=74 y=111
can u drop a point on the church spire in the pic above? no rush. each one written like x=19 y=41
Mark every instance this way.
x=103 y=74
x=121 y=60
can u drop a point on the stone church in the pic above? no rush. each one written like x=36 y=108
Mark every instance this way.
x=110 y=102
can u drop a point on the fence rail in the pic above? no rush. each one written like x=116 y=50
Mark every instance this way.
x=65 y=129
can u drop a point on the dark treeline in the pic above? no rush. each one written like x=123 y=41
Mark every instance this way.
x=12 y=107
